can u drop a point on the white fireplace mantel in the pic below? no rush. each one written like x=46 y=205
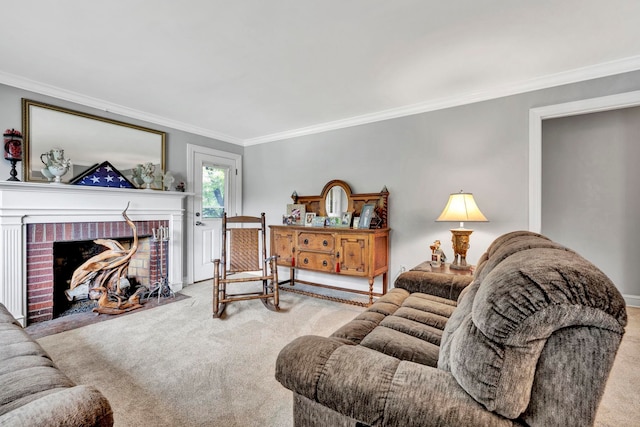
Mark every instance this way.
x=32 y=203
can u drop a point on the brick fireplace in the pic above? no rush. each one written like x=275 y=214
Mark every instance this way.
x=41 y=239
x=33 y=216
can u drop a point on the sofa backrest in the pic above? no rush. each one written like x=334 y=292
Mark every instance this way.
x=534 y=336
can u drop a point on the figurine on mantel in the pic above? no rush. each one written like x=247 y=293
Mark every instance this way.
x=168 y=180
x=136 y=176
x=144 y=175
x=148 y=174
x=55 y=164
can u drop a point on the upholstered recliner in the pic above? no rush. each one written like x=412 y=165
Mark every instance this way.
x=531 y=342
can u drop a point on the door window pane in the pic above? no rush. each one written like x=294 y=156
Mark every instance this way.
x=214 y=184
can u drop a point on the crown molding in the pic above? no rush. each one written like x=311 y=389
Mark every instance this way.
x=567 y=77
x=99 y=104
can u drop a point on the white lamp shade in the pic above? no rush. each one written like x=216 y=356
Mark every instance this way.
x=461 y=207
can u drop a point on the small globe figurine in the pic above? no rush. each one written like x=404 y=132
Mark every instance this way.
x=148 y=174
x=148 y=179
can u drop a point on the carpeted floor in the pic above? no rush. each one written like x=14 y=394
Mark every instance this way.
x=620 y=404
x=174 y=365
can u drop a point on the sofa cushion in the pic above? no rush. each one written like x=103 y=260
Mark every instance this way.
x=494 y=348
x=446 y=286
x=17 y=343
x=354 y=331
x=28 y=384
x=405 y=325
x=401 y=346
x=411 y=332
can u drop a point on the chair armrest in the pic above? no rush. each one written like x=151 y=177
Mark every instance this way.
x=440 y=285
x=75 y=406
x=377 y=389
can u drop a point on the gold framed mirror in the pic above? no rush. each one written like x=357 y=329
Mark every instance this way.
x=87 y=140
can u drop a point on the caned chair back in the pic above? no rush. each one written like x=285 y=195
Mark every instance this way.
x=243 y=244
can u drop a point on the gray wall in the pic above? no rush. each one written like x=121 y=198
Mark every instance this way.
x=590 y=179
x=480 y=148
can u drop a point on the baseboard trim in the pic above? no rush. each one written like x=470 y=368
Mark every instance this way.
x=632 y=300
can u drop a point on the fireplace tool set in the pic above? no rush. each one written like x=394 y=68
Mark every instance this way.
x=161 y=286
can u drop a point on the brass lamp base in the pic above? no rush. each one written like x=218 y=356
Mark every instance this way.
x=460 y=240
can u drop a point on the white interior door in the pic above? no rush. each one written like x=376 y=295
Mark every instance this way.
x=215 y=180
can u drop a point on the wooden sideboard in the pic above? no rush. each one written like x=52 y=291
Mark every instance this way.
x=341 y=251
x=344 y=251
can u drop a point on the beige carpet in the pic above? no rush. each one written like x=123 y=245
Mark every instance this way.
x=620 y=404
x=174 y=365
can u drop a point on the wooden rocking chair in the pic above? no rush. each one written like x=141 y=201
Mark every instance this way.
x=244 y=251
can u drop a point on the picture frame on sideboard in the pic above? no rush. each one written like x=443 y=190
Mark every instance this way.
x=308 y=219
x=318 y=221
x=297 y=211
x=345 y=219
x=365 y=215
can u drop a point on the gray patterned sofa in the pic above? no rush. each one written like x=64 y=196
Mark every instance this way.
x=530 y=342
x=33 y=392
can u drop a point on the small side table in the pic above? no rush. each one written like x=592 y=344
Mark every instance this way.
x=443 y=269
x=438 y=281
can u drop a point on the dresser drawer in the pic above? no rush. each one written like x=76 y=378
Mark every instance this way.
x=316 y=242
x=317 y=261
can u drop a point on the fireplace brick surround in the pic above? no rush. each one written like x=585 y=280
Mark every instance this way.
x=35 y=215
x=40 y=240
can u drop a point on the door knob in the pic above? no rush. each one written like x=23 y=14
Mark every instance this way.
x=199 y=223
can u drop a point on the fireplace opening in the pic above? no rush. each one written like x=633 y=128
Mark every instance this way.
x=69 y=255
x=148 y=266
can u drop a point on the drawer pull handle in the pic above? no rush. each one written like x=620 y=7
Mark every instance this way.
x=306 y=261
x=306 y=241
x=324 y=263
x=325 y=243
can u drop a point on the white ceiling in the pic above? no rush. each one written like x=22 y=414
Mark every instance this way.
x=251 y=71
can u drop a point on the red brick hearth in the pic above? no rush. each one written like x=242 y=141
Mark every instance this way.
x=40 y=241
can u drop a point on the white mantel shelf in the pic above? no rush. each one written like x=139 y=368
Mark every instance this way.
x=42 y=201
x=23 y=203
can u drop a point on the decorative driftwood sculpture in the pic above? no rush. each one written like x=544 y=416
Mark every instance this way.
x=105 y=275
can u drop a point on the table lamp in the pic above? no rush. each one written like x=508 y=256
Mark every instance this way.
x=460 y=208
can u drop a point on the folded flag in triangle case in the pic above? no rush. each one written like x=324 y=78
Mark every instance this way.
x=102 y=175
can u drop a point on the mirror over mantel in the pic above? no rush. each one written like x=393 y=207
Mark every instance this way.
x=87 y=140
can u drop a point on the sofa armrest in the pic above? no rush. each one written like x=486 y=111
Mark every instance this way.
x=440 y=285
x=377 y=389
x=76 y=406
